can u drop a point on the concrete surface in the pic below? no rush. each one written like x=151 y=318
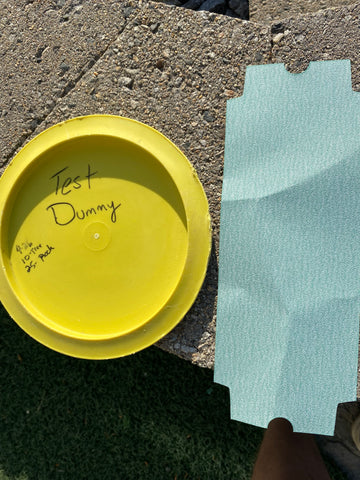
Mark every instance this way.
x=327 y=35
x=45 y=50
x=162 y=65
x=269 y=11
x=168 y=67
x=341 y=447
x=171 y=68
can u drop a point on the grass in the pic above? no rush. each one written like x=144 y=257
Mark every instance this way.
x=150 y=416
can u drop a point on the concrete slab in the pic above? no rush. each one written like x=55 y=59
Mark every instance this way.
x=161 y=65
x=46 y=47
x=341 y=447
x=268 y=11
x=171 y=68
x=327 y=35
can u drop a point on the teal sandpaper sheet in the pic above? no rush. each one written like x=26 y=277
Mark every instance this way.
x=289 y=270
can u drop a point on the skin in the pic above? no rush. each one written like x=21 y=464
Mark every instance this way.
x=285 y=455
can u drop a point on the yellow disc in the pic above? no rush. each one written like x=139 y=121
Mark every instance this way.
x=105 y=237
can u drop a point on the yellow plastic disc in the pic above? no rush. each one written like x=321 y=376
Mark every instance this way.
x=104 y=234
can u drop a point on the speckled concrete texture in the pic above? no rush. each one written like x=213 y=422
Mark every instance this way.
x=327 y=35
x=46 y=47
x=173 y=69
x=341 y=446
x=268 y=11
x=168 y=67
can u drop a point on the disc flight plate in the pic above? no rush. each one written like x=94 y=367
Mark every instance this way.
x=105 y=237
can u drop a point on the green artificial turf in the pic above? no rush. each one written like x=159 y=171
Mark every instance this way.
x=148 y=416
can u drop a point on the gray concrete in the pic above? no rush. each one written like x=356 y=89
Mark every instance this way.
x=327 y=35
x=168 y=67
x=270 y=11
x=171 y=68
x=45 y=50
x=341 y=447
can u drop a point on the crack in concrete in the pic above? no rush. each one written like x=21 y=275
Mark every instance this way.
x=69 y=87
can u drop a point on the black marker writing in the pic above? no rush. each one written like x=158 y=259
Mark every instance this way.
x=64 y=212
x=24 y=246
x=43 y=255
x=29 y=266
x=65 y=185
x=32 y=251
x=89 y=175
x=57 y=175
